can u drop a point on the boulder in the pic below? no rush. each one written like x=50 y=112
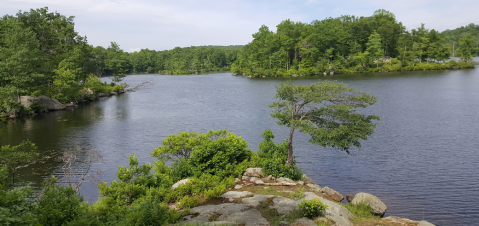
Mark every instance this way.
x=237 y=180
x=184 y=181
x=253 y=172
x=236 y=194
x=377 y=206
x=307 y=180
x=259 y=182
x=50 y=104
x=335 y=211
x=238 y=187
x=315 y=187
x=349 y=197
x=284 y=205
x=253 y=179
x=332 y=194
x=284 y=180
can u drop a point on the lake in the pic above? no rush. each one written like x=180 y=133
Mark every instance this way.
x=422 y=161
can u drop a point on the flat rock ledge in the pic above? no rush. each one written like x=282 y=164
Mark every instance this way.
x=246 y=213
x=405 y=220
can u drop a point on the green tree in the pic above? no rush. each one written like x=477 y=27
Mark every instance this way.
x=326 y=111
x=374 y=48
x=13 y=158
x=466 y=47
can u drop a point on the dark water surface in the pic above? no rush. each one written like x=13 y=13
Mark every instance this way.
x=422 y=161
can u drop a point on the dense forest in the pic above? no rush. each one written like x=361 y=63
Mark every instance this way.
x=350 y=44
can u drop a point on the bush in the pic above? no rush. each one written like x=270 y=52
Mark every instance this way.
x=151 y=213
x=298 y=193
x=312 y=208
x=274 y=158
x=59 y=205
x=213 y=155
x=190 y=202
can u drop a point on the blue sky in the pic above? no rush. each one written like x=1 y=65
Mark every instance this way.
x=160 y=25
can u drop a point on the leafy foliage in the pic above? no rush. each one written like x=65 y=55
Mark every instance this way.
x=312 y=208
x=14 y=157
x=325 y=111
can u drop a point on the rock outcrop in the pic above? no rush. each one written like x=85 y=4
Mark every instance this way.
x=253 y=172
x=50 y=104
x=184 y=181
x=405 y=221
x=377 y=206
x=332 y=194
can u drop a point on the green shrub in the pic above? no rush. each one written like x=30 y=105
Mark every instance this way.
x=215 y=192
x=312 y=208
x=213 y=155
x=190 y=202
x=151 y=213
x=274 y=157
x=298 y=193
x=59 y=205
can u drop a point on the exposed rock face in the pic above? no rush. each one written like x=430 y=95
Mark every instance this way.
x=50 y=103
x=349 y=197
x=335 y=211
x=184 y=181
x=377 y=206
x=253 y=172
x=256 y=200
x=236 y=194
x=228 y=213
x=307 y=180
x=284 y=180
x=304 y=222
x=405 y=220
x=332 y=194
x=315 y=187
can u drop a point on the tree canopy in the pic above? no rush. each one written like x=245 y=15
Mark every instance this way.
x=325 y=111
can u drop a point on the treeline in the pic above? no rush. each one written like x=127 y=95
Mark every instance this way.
x=42 y=54
x=349 y=44
x=453 y=37
x=187 y=60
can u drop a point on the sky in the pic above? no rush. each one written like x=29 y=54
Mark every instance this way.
x=162 y=25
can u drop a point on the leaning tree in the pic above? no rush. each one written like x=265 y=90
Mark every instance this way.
x=325 y=111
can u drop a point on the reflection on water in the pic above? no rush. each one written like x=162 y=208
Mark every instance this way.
x=422 y=158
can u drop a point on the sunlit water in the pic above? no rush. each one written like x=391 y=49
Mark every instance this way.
x=422 y=161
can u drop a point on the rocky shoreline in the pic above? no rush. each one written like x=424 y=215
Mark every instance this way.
x=254 y=194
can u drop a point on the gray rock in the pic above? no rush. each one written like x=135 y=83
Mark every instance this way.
x=284 y=205
x=238 y=187
x=249 y=217
x=335 y=211
x=349 y=197
x=377 y=206
x=221 y=223
x=253 y=172
x=50 y=104
x=253 y=179
x=307 y=180
x=284 y=180
x=244 y=178
x=270 y=177
x=304 y=222
x=332 y=194
x=236 y=194
x=283 y=223
x=237 y=180
x=181 y=182
x=259 y=182
x=315 y=187
x=405 y=221
x=301 y=182
x=424 y=223
x=256 y=200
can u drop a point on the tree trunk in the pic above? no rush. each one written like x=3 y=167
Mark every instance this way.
x=290 y=146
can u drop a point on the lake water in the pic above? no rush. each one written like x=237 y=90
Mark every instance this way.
x=422 y=161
